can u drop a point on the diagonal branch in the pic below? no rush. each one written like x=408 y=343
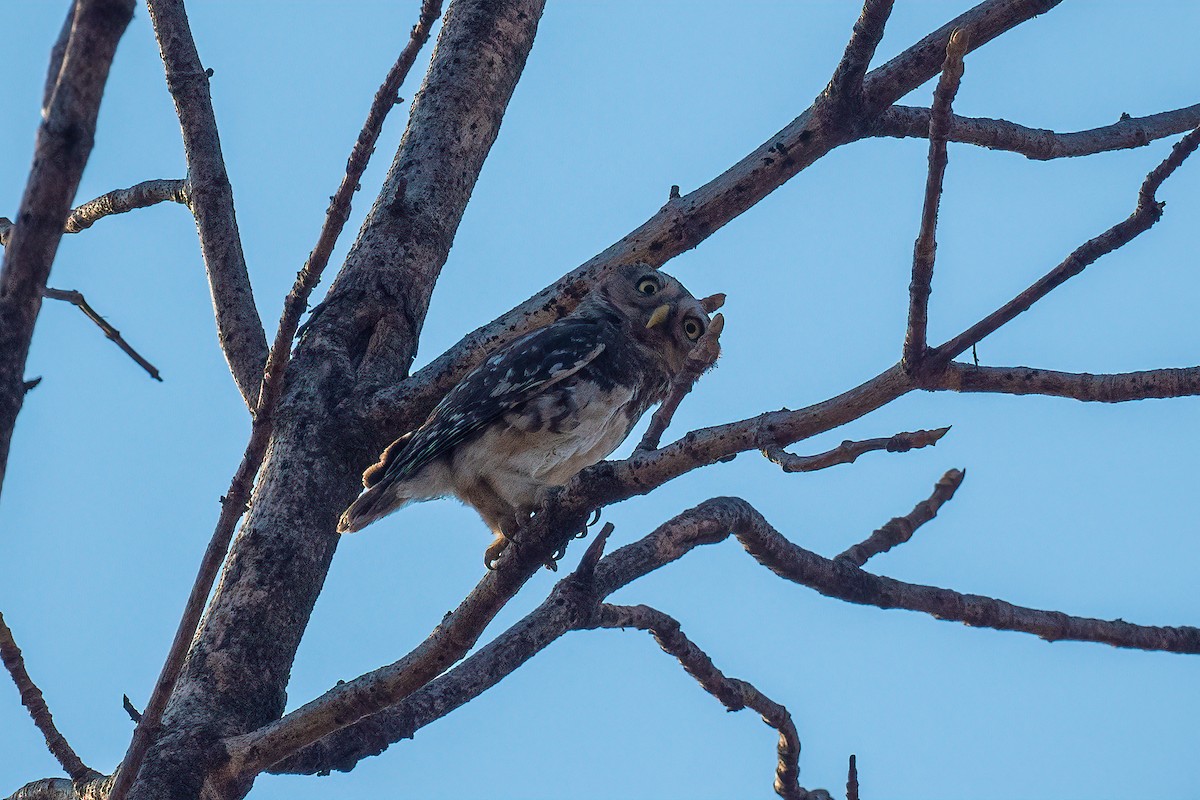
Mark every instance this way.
x=845 y=88
x=899 y=530
x=1037 y=143
x=1112 y=388
x=1147 y=212
x=926 y=246
x=734 y=694
x=239 y=329
x=848 y=451
x=263 y=407
x=31 y=698
x=64 y=142
x=77 y=299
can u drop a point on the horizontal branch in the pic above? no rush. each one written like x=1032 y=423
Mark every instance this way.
x=118 y=201
x=96 y=788
x=1103 y=388
x=1038 y=143
x=31 y=698
x=849 y=451
x=899 y=530
x=77 y=299
x=734 y=694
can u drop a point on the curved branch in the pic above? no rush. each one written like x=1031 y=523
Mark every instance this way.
x=1040 y=144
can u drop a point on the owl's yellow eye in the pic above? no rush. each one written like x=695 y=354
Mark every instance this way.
x=692 y=329
x=647 y=286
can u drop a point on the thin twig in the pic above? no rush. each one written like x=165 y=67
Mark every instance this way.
x=899 y=530
x=848 y=451
x=133 y=713
x=235 y=500
x=925 y=248
x=1037 y=143
x=76 y=298
x=31 y=698
x=852 y=779
x=699 y=361
x=1148 y=211
x=734 y=694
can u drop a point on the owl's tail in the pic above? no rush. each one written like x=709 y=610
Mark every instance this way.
x=380 y=500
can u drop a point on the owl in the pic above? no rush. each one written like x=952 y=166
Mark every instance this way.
x=541 y=409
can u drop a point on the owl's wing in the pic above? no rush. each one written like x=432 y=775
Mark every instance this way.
x=524 y=369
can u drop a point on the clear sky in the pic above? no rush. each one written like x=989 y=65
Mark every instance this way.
x=1090 y=509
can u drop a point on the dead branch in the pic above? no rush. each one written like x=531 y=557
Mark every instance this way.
x=1112 y=388
x=845 y=88
x=57 y=53
x=31 y=698
x=118 y=201
x=1037 y=143
x=1145 y=214
x=239 y=328
x=734 y=694
x=63 y=144
x=698 y=362
x=77 y=299
x=684 y=223
x=926 y=245
x=852 y=779
x=899 y=530
x=271 y=386
x=62 y=789
x=849 y=451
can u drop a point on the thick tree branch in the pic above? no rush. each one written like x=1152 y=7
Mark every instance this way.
x=239 y=329
x=1145 y=214
x=57 y=54
x=77 y=299
x=899 y=530
x=63 y=144
x=926 y=245
x=734 y=694
x=31 y=698
x=1112 y=388
x=118 y=201
x=263 y=408
x=1038 y=143
x=849 y=451
x=685 y=222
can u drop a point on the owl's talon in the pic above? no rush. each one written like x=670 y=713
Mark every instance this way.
x=591 y=522
x=492 y=555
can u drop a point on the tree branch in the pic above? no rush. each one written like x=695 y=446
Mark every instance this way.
x=77 y=299
x=271 y=386
x=239 y=328
x=1040 y=144
x=899 y=530
x=57 y=54
x=845 y=88
x=1147 y=212
x=848 y=451
x=31 y=698
x=1112 y=388
x=62 y=789
x=734 y=694
x=63 y=144
x=118 y=201
x=926 y=245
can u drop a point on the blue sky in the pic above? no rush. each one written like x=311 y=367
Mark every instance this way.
x=113 y=480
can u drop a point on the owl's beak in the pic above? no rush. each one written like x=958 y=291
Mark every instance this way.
x=659 y=315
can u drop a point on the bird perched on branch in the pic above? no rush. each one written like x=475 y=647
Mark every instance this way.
x=538 y=411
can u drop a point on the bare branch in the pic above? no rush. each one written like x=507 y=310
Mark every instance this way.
x=270 y=387
x=734 y=694
x=926 y=246
x=62 y=789
x=899 y=530
x=118 y=201
x=713 y=520
x=239 y=329
x=685 y=222
x=848 y=451
x=1147 y=212
x=702 y=358
x=852 y=779
x=77 y=299
x=1112 y=388
x=1037 y=143
x=63 y=144
x=57 y=53
x=846 y=86
x=31 y=698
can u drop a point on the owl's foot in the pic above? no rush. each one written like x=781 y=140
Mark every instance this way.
x=492 y=554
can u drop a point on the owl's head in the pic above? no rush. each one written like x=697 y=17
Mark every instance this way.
x=659 y=312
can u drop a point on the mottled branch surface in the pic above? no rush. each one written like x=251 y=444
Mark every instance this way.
x=61 y=149
x=899 y=530
x=848 y=451
x=1038 y=143
x=239 y=329
x=118 y=201
x=1103 y=388
x=35 y=703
